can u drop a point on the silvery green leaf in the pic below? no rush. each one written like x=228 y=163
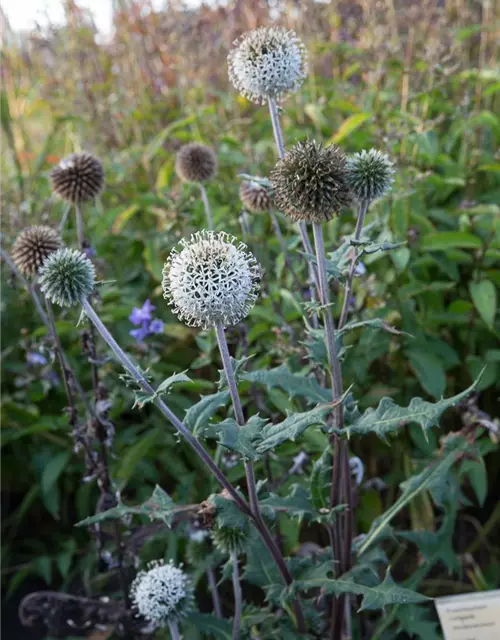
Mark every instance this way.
x=243 y=440
x=294 y=384
x=237 y=366
x=388 y=416
x=199 y=414
x=142 y=398
x=297 y=504
x=158 y=507
x=374 y=323
x=321 y=480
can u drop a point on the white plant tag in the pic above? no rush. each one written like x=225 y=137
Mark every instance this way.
x=470 y=616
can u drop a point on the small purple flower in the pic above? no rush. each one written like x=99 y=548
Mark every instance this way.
x=156 y=326
x=36 y=359
x=360 y=269
x=143 y=319
x=144 y=314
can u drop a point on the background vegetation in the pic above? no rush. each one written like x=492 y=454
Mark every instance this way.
x=418 y=80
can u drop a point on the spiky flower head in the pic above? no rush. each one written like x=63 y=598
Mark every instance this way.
x=309 y=183
x=32 y=247
x=369 y=175
x=230 y=540
x=195 y=162
x=66 y=277
x=78 y=178
x=269 y=62
x=211 y=280
x=255 y=197
x=162 y=593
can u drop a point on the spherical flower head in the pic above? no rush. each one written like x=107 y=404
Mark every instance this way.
x=66 y=277
x=369 y=175
x=195 y=163
x=162 y=593
x=211 y=280
x=269 y=62
x=230 y=540
x=78 y=178
x=255 y=197
x=309 y=182
x=32 y=247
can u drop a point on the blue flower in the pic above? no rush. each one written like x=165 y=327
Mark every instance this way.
x=143 y=319
x=36 y=359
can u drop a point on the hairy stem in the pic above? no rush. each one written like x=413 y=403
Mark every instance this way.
x=212 y=584
x=206 y=205
x=134 y=372
x=249 y=471
x=64 y=218
x=173 y=627
x=237 y=597
x=362 y=210
x=79 y=226
x=282 y=243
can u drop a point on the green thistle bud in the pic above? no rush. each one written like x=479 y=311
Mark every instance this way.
x=32 y=247
x=66 y=277
x=78 y=178
x=369 y=175
x=196 y=163
x=309 y=183
x=230 y=540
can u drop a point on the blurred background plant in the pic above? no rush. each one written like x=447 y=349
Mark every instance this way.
x=419 y=80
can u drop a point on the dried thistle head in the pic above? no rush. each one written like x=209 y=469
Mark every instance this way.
x=309 y=183
x=255 y=197
x=369 y=175
x=66 y=277
x=32 y=247
x=195 y=162
x=78 y=178
x=211 y=280
x=268 y=62
x=162 y=593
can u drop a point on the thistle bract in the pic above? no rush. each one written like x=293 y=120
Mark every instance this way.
x=66 y=277
x=78 y=178
x=195 y=162
x=32 y=247
x=267 y=63
x=255 y=197
x=230 y=540
x=309 y=182
x=211 y=280
x=162 y=593
x=369 y=174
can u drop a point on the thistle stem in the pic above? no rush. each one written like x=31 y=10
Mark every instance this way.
x=237 y=597
x=64 y=218
x=362 y=210
x=206 y=205
x=250 y=474
x=79 y=226
x=212 y=584
x=173 y=627
x=282 y=243
x=131 y=368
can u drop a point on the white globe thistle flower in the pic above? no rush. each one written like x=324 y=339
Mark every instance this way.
x=163 y=593
x=267 y=63
x=211 y=280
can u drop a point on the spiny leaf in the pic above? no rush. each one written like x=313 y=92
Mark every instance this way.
x=374 y=323
x=389 y=417
x=434 y=476
x=237 y=366
x=240 y=439
x=293 y=384
x=296 y=504
x=210 y=626
x=262 y=571
x=158 y=507
x=199 y=414
x=227 y=513
x=321 y=480
x=142 y=398
x=374 y=596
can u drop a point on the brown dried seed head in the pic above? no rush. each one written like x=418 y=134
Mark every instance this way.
x=32 y=247
x=255 y=197
x=78 y=178
x=195 y=163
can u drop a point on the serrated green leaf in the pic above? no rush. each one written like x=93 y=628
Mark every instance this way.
x=198 y=416
x=158 y=507
x=429 y=371
x=433 y=478
x=261 y=570
x=374 y=323
x=211 y=626
x=297 y=504
x=142 y=397
x=320 y=481
x=293 y=384
x=239 y=439
x=227 y=513
x=389 y=417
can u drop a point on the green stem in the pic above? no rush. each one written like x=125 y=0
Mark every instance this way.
x=173 y=627
x=206 y=205
x=237 y=597
x=212 y=583
x=79 y=226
